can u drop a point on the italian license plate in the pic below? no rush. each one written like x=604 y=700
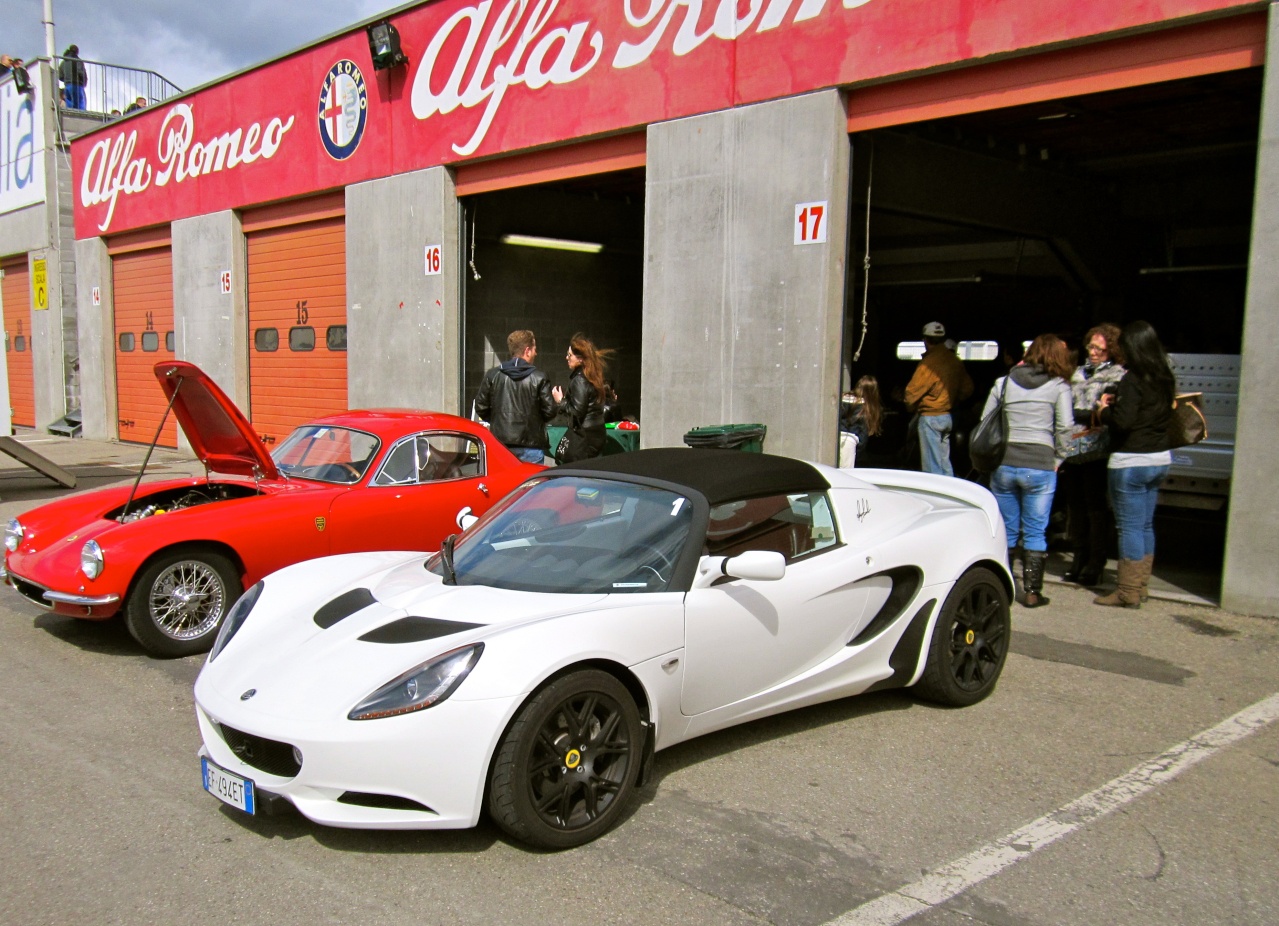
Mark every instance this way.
x=228 y=788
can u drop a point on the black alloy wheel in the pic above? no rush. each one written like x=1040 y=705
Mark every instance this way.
x=568 y=762
x=970 y=641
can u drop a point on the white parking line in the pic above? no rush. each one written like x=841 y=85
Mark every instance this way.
x=953 y=879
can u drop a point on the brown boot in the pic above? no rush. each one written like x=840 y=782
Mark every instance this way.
x=1128 y=594
x=1147 y=567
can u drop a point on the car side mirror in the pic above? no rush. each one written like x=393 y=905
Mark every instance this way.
x=755 y=565
x=758 y=565
x=465 y=518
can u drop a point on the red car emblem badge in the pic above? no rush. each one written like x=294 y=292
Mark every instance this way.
x=320 y=524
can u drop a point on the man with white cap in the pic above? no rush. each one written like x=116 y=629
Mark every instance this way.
x=939 y=384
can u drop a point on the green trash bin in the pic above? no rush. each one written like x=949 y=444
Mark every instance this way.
x=748 y=437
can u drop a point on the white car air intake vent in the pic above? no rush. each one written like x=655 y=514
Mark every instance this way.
x=344 y=605
x=415 y=630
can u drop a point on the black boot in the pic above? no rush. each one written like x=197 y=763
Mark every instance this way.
x=1090 y=575
x=1078 y=566
x=1033 y=577
x=1095 y=561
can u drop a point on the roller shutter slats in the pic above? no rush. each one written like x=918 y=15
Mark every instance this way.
x=17 y=322
x=289 y=266
x=143 y=282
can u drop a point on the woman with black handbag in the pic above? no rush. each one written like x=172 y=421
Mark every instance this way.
x=583 y=402
x=1137 y=414
x=1038 y=422
x=1085 y=481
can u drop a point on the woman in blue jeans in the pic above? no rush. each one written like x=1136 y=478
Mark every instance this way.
x=1039 y=415
x=1137 y=414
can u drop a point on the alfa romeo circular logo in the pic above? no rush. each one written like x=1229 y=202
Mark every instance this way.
x=343 y=110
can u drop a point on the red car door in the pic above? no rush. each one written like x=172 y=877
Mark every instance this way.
x=412 y=502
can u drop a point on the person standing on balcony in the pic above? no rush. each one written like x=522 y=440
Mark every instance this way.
x=73 y=76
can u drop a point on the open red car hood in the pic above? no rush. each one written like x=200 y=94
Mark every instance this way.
x=221 y=437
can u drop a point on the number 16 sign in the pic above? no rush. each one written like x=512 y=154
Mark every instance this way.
x=810 y=223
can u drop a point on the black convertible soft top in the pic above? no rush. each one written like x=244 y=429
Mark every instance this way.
x=720 y=475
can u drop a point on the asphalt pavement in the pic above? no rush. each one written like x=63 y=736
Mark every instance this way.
x=1125 y=770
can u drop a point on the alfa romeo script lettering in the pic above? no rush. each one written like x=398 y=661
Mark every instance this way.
x=112 y=168
x=513 y=46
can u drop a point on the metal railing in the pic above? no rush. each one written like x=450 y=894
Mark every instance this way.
x=112 y=90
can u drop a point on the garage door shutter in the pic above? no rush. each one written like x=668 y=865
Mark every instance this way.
x=143 y=288
x=17 y=341
x=297 y=325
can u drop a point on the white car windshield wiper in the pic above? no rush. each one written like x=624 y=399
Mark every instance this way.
x=446 y=557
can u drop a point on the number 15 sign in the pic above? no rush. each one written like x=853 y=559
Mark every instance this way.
x=810 y=223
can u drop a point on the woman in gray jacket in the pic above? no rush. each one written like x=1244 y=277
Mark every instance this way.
x=1039 y=415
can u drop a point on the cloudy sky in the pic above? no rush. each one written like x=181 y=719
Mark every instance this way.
x=190 y=42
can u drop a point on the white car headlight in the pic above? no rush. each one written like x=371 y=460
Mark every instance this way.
x=420 y=688
x=236 y=617
x=91 y=559
x=14 y=533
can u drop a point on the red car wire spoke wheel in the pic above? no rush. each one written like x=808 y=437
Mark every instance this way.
x=179 y=601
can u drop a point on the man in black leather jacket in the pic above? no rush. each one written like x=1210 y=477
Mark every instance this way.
x=515 y=399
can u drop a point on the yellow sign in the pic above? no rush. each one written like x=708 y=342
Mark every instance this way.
x=40 y=284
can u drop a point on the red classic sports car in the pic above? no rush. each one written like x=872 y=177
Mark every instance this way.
x=175 y=555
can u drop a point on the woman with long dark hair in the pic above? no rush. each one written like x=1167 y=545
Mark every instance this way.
x=1137 y=413
x=583 y=402
x=861 y=415
x=1037 y=409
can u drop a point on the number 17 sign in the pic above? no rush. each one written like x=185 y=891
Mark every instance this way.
x=810 y=223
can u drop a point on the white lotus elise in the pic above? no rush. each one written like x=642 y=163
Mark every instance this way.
x=598 y=614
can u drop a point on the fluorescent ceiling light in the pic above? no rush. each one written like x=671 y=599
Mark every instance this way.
x=558 y=244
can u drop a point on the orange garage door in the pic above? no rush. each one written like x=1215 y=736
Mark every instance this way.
x=17 y=341
x=297 y=324
x=143 y=337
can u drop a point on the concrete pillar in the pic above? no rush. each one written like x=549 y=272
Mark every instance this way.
x=403 y=323
x=96 y=336
x=47 y=342
x=211 y=327
x=740 y=323
x=1252 y=531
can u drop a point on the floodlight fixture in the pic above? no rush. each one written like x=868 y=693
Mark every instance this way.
x=384 y=46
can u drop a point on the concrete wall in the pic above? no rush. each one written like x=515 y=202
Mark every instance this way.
x=211 y=327
x=403 y=327
x=96 y=324
x=740 y=324
x=1252 y=533
x=23 y=230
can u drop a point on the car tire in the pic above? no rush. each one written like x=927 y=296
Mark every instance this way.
x=179 y=601
x=969 y=643
x=567 y=765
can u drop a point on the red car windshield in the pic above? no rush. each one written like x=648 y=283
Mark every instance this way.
x=326 y=454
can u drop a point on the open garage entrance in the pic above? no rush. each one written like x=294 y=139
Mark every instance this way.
x=593 y=201
x=1054 y=216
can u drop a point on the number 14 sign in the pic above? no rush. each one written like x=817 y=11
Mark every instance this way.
x=810 y=223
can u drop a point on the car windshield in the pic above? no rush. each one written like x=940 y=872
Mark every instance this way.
x=326 y=454
x=577 y=534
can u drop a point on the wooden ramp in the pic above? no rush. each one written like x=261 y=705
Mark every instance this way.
x=28 y=457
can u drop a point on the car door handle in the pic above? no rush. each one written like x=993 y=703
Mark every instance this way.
x=483 y=488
